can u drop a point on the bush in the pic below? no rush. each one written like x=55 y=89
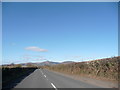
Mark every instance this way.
x=105 y=68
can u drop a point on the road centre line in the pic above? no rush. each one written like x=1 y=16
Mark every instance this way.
x=45 y=75
x=53 y=86
x=50 y=82
x=41 y=72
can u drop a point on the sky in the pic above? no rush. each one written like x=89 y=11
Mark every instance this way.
x=36 y=32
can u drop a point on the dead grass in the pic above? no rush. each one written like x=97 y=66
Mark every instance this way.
x=103 y=68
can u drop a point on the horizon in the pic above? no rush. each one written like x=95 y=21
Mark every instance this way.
x=58 y=32
x=61 y=61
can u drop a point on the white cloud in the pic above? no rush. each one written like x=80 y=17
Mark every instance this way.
x=37 y=49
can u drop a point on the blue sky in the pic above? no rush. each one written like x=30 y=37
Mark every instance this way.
x=36 y=32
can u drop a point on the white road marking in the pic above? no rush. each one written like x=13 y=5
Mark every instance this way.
x=41 y=72
x=50 y=82
x=45 y=75
x=53 y=86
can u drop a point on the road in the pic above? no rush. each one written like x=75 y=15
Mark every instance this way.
x=42 y=78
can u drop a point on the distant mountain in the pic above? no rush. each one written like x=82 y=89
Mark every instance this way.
x=67 y=62
x=51 y=63
x=46 y=63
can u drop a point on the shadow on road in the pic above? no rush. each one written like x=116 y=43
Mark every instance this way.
x=11 y=84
